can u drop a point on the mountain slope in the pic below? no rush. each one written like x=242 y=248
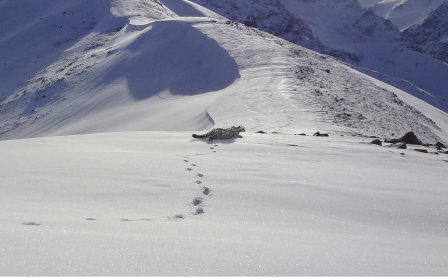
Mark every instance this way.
x=133 y=71
x=403 y=13
x=431 y=36
x=154 y=201
x=350 y=33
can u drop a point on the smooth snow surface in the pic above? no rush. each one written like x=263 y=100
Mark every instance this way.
x=122 y=203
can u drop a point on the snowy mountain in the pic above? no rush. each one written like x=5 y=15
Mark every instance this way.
x=117 y=68
x=355 y=35
x=267 y=15
x=423 y=23
x=403 y=13
x=432 y=35
x=100 y=174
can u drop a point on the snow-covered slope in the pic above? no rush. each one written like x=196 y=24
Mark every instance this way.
x=423 y=23
x=349 y=32
x=374 y=46
x=124 y=204
x=160 y=203
x=266 y=15
x=130 y=70
x=107 y=78
x=432 y=35
x=403 y=13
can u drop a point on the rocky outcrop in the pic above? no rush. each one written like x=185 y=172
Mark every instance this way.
x=377 y=142
x=267 y=15
x=409 y=138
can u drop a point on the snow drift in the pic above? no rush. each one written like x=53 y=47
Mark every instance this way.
x=157 y=202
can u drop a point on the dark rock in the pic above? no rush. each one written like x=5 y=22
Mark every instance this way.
x=403 y=146
x=399 y=145
x=250 y=23
x=440 y=145
x=421 y=150
x=318 y=134
x=409 y=137
x=276 y=133
x=261 y=132
x=301 y=134
x=377 y=142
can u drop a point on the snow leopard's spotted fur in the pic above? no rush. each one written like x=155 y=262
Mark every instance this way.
x=220 y=133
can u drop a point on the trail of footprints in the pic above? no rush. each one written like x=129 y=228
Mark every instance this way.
x=197 y=203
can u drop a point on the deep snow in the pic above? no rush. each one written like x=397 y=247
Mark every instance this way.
x=157 y=202
x=279 y=204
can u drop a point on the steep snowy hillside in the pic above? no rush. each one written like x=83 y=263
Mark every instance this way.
x=403 y=13
x=267 y=15
x=376 y=44
x=189 y=73
x=108 y=73
x=144 y=198
x=116 y=66
x=351 y=33
x=432 y=35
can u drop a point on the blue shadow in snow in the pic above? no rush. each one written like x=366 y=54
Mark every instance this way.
x=174 y=56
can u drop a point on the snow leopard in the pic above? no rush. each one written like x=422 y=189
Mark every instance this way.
x=221 y=133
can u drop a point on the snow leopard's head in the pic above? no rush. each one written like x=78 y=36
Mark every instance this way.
x=239 y=128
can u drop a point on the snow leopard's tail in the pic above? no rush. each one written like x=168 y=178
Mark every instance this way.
x=199 y=136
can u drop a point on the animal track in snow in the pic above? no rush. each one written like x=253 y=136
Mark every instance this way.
x=176 y=217
x=140 y=219
x=197 y=201
x=30 y=223
x=206 y=190
x=198 y=211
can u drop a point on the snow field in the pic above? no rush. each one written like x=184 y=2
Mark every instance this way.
x=276 y=204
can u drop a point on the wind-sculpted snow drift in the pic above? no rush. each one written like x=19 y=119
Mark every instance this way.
x=119 y=67
x=158 y=202
x=116 y=78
